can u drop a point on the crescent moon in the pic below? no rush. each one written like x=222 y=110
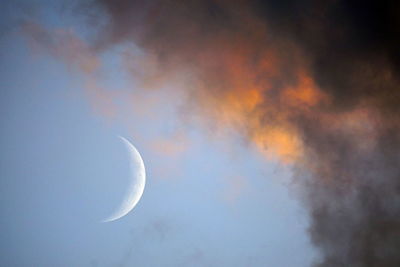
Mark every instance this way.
x=136 y=185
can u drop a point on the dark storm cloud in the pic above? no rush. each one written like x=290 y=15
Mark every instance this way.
x=353 y=196
x=353 y=45
x=318 y=80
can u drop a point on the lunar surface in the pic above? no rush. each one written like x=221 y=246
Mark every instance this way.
x=136 y=184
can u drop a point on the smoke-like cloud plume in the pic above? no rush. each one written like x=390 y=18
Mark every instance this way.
x=314 y=82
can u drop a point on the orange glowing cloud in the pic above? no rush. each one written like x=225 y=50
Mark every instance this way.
x=257 y=97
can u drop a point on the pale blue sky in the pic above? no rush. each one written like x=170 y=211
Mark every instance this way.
x=216 y=202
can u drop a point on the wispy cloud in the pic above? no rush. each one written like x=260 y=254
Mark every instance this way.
x=313 y=83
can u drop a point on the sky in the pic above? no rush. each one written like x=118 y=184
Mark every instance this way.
x=269 y=131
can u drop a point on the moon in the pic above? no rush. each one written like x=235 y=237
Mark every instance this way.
x=136 y=184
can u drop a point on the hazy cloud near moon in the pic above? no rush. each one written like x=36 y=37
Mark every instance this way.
x=314 y=82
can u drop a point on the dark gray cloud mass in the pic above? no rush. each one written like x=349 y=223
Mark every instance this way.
x=323 y=73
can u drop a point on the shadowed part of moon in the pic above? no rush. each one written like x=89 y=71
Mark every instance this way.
x=136 y=184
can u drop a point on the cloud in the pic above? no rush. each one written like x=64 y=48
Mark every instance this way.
x=314 y=83
x=63 y=44
x=156 y=230
x=66 y=46
x=170 y=146
x=159 y=228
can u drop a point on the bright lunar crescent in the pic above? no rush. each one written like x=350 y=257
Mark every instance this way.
x=136 y=185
